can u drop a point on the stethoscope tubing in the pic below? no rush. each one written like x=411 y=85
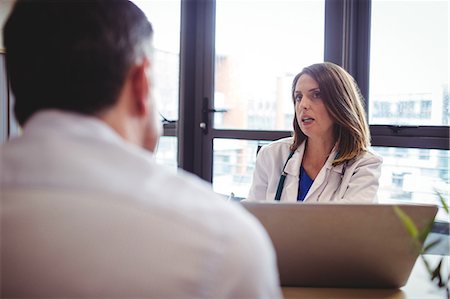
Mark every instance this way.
x=284 y=174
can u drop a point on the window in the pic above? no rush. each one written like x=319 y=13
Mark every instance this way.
x=259 y=47
x=234 y=162
x=409 y=63
x=166 y=152
x=409 y=86
x=241 y=59
x=407 y=176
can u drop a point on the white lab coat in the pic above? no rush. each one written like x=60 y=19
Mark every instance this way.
x=86 y=214
x=357 y=184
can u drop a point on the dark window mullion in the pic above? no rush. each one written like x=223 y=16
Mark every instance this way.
x=189 y=109
x=334 y=14
x=347 y=39
x=359 y=45
x=427 y=137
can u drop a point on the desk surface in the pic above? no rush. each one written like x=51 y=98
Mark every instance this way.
x=419 y=286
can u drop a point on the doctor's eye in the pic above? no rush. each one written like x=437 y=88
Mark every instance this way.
x=316 y=94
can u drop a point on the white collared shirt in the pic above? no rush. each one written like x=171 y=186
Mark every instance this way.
x=86 y=214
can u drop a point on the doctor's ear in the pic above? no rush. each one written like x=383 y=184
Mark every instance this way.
x=141 y=87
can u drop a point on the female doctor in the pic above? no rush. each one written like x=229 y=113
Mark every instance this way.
x=328 y=157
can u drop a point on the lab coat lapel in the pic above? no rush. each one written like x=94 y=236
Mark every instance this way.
x=292 y=169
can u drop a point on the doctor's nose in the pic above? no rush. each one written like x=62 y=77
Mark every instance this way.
x=304 y=104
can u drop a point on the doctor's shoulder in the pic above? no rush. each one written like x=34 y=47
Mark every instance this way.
x=277 y=148
x=368 y=158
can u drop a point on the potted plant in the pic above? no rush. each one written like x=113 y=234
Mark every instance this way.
x=436 y=273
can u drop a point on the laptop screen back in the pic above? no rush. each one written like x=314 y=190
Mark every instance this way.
x=341 y=245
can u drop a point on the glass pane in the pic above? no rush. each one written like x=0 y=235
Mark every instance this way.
x=408 y=175
x=234 y=162
x=409 y=66
x=260 y=47
x=414 y=175
x=165 y=19
x=166 y=153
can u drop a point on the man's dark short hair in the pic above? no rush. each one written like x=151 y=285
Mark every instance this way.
x=72 y=55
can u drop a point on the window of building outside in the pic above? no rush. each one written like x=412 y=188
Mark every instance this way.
x=409 y=85
x=259 y=47
x=165 y=19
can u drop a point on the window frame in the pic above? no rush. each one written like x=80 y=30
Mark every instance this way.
x=347 y=43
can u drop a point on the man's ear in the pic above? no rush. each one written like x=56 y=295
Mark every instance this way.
x=140 y=87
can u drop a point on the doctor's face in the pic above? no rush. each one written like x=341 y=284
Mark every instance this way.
x=312 y=115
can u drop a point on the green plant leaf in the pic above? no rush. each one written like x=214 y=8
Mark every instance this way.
x=427 y=265
x=431 y=245
x=443 y=202
x=425 y=231
x=407 y=222
x=418 y=237
x=437 y=271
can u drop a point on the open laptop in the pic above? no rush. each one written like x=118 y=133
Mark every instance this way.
x=341 y=245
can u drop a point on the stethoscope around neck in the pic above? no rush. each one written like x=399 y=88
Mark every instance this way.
x=284 y=174
x=282 y=178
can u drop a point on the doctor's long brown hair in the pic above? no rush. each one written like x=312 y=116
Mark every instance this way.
x=344 y=102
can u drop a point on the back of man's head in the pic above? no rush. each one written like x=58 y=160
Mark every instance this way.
x=72 y=55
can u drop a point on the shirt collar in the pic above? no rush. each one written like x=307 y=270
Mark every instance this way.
x=76 y=124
